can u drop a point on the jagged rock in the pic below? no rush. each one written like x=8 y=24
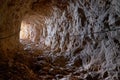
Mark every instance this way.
x=54 y=33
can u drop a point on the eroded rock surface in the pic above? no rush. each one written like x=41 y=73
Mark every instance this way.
x=73 y=40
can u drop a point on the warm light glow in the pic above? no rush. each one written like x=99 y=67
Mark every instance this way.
x=24 y=31
x=28 y=31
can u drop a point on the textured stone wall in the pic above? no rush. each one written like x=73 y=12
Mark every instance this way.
x=80 y=35
x=86 y=30
x=11 y=14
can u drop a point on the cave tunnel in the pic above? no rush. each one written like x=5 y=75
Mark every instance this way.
x=60 y=40
x=31 y=30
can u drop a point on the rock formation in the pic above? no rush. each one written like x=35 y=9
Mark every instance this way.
x=60 y=39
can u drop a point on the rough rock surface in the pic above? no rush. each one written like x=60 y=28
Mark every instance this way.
x=71 y=39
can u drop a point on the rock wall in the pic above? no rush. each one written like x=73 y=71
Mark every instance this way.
x=86 y=30
x=80 y=35
x=11 y=14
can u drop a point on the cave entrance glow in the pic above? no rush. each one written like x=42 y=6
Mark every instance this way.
x=28 y=32
x=31 y=31
x=28 y=35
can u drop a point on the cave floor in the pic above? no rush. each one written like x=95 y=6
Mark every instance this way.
x=26 y=65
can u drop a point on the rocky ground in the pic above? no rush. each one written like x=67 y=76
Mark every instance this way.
x=24 y=66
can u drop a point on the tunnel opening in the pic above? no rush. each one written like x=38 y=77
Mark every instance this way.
x=31 y=31
x=27 y=33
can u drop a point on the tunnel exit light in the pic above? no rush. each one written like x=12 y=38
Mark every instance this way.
x=28 y=32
